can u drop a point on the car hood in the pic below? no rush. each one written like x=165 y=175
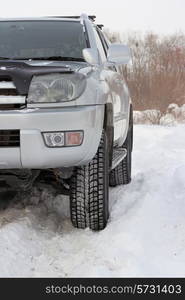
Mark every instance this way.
x=21 y=72
x=70 y=65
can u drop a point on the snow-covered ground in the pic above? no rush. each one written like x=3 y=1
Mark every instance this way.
x=145 y=235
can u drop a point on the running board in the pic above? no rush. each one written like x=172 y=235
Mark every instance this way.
x=118 y=155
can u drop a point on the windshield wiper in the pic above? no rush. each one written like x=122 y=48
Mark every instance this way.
x=57 y=58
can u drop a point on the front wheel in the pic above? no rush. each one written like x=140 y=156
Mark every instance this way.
x=89 y=191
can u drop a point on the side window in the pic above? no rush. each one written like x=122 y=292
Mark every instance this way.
x=105 y=47
x=99 y=45
x=107 y=40
x=102 y=38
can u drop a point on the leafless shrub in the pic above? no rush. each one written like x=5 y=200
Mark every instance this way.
x=150 y=116
x=156 y=74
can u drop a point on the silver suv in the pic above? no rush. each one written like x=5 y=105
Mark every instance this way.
x=65 y=108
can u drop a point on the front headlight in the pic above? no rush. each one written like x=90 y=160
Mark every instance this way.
x=56 y=88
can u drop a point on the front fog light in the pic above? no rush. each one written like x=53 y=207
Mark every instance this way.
x=54 y=139
x=63 y=139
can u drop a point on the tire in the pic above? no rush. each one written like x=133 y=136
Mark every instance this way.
x=89 y=191
x=121 y=174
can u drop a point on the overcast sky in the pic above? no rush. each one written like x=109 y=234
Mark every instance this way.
x=160 y=16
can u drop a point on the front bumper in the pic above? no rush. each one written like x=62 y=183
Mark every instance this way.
x=33 y=153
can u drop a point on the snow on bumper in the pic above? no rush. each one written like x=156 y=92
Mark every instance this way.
x=33 y=153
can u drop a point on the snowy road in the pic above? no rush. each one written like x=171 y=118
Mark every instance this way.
x=145 y=235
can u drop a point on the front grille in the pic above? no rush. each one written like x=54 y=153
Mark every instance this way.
x=9 y=96
x=11 y=106
x=8 y=92
x=9 y=138
x=5 y=78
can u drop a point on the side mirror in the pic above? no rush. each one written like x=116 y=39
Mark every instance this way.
x=91 y=56
x=118 y=54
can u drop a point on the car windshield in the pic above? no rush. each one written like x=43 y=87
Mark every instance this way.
x=40 y=39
